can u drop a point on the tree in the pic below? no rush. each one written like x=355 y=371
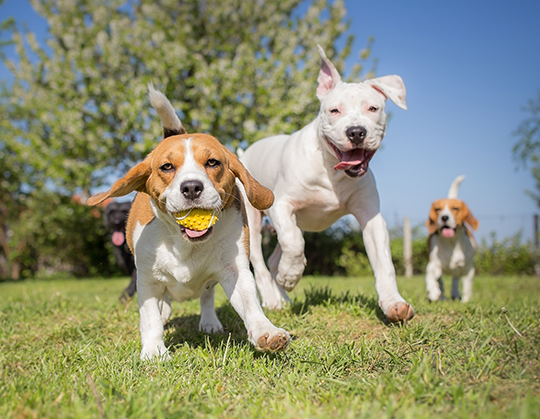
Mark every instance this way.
x=77 y=107
x=527 y=149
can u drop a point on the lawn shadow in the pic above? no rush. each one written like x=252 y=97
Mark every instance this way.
x=185 y=329
x=321 y=296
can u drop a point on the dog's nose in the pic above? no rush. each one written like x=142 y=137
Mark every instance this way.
x=191 y=189
x=444 y=218
x=356 y=134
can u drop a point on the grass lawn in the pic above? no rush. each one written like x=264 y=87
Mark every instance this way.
x=69 y=349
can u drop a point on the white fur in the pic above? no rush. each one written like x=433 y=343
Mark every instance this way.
x=164 y=109
x=170 y=266
x=454 y=187
x=310 y=195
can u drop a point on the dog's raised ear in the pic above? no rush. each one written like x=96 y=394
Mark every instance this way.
x=391 y=87
x=469 y=218
x=170 y=121
x=258 y=195
x=328 y=75
x=431 y=222
x=134 y=180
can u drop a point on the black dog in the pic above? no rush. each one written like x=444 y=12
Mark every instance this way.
x=115 y=217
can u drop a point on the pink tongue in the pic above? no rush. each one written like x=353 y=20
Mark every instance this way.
x=448 y=232
x=194 y=233
x=350 y=158
x=118 y=238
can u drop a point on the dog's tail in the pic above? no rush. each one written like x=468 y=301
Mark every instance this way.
x=454 y=187
x=170 y=121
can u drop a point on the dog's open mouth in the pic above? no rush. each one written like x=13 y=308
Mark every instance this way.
x=118 y=238
x=196 y=224
x=195 y=235
x=354 y=162
x=448 y=232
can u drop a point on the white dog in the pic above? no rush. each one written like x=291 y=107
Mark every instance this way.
x=192 y=172
x=451 y=245
x=320 y=174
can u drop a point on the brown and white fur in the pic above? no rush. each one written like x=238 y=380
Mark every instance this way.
x=192 y=171
x=452 y=245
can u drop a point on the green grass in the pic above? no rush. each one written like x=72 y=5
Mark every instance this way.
x=69 y=349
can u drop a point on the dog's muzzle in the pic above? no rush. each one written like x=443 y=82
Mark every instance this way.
x=354 y=162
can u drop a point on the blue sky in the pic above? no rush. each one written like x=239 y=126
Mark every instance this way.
x=469 y=67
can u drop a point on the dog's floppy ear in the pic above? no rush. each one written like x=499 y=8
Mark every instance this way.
x=431 y=222
x=134 y=180
x=469 y=218
x=170 y=121
x=258 y=195
x=391 y=87
x=328 y=75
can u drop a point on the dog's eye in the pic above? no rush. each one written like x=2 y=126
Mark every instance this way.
x=373 y=109
x=334 y=111
x=167 y=167
x=455 y=209
x=212 y=163
x=437 y=209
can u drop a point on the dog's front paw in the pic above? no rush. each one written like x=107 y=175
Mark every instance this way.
x=435 y=295
x=288 y=282
x=271 y=340
x=290 y=271
x=152 y=351
x=400 y=312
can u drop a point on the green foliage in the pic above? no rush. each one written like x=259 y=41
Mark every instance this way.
x=76 y=112
x=507 y=256
x=238 y=69
x=56 y=234
x=341 y=251
x=68 y=349
x=527 y=149
x=420 y=255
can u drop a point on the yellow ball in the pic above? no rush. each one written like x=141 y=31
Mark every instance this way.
x=196 y=219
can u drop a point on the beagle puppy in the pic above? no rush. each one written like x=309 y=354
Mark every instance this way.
x=184 y=173
x=451 y=245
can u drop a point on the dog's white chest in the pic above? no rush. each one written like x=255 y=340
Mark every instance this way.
x=186 y=269
x=456 y=258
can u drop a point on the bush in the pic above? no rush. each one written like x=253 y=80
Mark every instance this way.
x=53 y=234
x=504 y=257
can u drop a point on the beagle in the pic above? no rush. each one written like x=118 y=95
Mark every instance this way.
x=451 y=245
x=192 y=172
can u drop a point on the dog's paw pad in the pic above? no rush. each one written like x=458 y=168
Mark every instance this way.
x=277 y=342
x=401 y=312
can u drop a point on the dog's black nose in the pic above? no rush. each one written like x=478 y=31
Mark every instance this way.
x=356 y=134
x=191 y=189
x=444 y=218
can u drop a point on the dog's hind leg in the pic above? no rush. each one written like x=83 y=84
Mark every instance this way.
x=441 y=286
x=273 y=260
x=455 y=288
x=209 y=322
x=271 y=293
x=131 y=289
